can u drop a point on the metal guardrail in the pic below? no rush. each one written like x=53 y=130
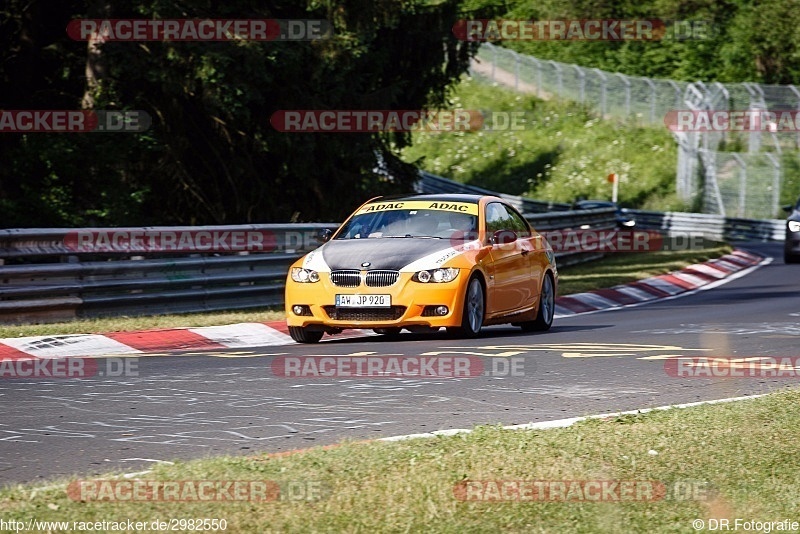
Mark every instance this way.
x=46 y=274
x=49 y=278
x=62 y=242
x=710 y=226
x=430 y=183
x=596 y=219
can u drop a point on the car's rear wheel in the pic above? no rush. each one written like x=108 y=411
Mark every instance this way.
x=547 y=308
x=304 y=335
x=474 y=309
x=790 y=258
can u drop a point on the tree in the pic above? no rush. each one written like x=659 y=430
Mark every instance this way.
x=211 y=155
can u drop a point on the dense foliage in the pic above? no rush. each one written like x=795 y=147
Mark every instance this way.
x=562 y=151
x=211 y=155
x=748 y=40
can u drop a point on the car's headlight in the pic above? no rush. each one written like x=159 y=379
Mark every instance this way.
x=794 y=226
x=304 y=275
x=436 y=275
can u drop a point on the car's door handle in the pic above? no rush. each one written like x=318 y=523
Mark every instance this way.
x=525 y=252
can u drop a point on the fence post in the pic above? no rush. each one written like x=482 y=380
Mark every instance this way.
x=538 y=75
x=603 y=84
x=742 y=185
x=794 y=90
x=582 y=82
x=494 y=60
x=627 y=83
x=756 y=104
x=677 y=93
x=776 y=183
x=652 y=86
x=557 y=68
x=712 y=192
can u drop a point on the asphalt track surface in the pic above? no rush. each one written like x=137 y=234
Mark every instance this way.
x=193 y=405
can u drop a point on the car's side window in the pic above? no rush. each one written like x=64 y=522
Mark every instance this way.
x=518 y=224
x=497 y=218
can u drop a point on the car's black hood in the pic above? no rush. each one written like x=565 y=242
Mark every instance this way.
x=391 y=253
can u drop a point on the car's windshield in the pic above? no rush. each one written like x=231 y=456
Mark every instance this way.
x=408 y=223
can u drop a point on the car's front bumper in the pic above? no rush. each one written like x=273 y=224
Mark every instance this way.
x=412 y=304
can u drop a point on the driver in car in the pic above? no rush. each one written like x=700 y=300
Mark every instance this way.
x=462 y=225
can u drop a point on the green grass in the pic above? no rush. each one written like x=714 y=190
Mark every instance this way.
x=624 y=268
x=614 y=269
x=565 y=151
x=145 y=322
x=408 y=486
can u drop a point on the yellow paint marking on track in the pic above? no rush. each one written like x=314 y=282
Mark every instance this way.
x=667 y=357
x=590 y=347
x=473 y=353
x=247 y=355
x=593 y=354
x=125 y=355
x=360 y=354
x=573 y=350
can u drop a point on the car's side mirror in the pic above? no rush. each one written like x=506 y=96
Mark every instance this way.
x=503 y=237
x=324 y=235
x=788 y=208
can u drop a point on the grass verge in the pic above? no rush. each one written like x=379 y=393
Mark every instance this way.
x=612 y=270
x=408 y=486
x=624 y=268
x=145 y=322
x=561 y=151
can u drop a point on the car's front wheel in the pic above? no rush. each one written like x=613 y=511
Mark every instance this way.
x=304 y=335
x=474 y=309
x=547 y=308
x=790 y=258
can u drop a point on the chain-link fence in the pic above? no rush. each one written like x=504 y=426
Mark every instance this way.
x=733 y=173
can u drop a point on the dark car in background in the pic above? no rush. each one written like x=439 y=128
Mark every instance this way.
x=791 y=247
x=623 y=219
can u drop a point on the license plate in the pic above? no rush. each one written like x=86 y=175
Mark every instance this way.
x=363 y=301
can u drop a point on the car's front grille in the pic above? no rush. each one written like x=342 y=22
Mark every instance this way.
x=352 y=278
x=349 y=278
x=382 y=278
x=365 y=314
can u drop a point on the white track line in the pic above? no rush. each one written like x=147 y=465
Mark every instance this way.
x=710 y=285
x=564 y=423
